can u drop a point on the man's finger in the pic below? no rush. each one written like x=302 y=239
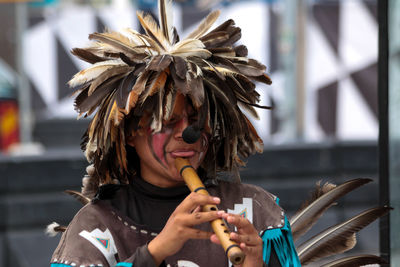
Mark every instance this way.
x=194 y=200
x=249 y=240
x=198 y=234
x=243 y=224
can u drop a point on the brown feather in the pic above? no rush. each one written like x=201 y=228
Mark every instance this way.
x=86 y=55
x=180 y=67
x=91 y=102
x=78 y=196
x=358 y=260
x=250 y=70
x=214 y=39
x=124 y=87
x=339 y=238
x=306 y=217
x=156 y=84
x=205 y=25
x=241 y=51
x=263 y=79
x=222 y=51
x=107 y=75
x=223 y=27
x=137 y=90
x=150 y=26
x=159 y=63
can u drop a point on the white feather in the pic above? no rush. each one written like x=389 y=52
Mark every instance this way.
x=169 y=17
x=50 y=229
x=94 y=71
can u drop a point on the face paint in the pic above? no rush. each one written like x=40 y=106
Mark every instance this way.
x=157 y=143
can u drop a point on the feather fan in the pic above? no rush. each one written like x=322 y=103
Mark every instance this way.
x=359 y=260
x=339 y=238
x=323 y=198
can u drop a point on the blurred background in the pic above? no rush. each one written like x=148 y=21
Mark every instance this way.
x=322 y=56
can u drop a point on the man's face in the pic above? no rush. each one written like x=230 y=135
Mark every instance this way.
x=158 y=151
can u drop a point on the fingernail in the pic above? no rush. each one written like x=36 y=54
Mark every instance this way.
x=220 y=212
x=217 y=199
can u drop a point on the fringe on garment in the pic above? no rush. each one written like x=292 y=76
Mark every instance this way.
x=282 y=241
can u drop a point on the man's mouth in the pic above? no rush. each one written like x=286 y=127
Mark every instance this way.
x=183 y=153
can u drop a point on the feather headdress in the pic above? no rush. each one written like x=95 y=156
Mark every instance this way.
x=135 y=78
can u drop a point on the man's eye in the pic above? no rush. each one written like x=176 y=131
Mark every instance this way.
x=193 y=119
x=171 y=123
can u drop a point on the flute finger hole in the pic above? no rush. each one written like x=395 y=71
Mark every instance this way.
x=213 y=208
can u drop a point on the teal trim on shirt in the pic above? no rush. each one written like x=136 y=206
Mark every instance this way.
x=282 y=241
x=59 y=265
x=124 y=264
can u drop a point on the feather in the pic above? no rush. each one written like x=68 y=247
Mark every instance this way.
x=358 y=260
x=241 y=51
x=116 y=114
x=199 y=52
x=93 y=72
x=187 y=45
x=124 y=87
x=214 y=39
x=305 y=218
x=155 y=84
x=222 y=28
x=190 y=48
x=91 y=102
x=250 y=69
x=54 y=228
x=165 y=18
x=339 y=238
x=263 y=79
x=86 y=55
x=223 y=51
x=180 y=66
x=249 y=109
x=78 y=196
x=125 y=70
x=137 y=90
x=169 y=102
x=205 y=25
x=150 y=26
x=117 y=40
x=197 y=92
x=258 y=142
x=159 y=62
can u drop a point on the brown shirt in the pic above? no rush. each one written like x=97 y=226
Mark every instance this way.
x=106 y=232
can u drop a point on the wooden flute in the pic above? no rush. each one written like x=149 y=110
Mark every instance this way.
x=192 y=180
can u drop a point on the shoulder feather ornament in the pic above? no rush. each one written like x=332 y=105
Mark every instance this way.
x=336 y=239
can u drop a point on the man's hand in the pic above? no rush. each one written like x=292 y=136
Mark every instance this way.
x=179 y=227
x=248 y=239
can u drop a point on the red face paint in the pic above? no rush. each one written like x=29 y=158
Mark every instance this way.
x=157 y=143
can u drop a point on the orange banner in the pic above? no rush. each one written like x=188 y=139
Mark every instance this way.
x=9 y=130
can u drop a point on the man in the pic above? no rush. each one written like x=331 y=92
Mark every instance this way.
x=155 y=99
